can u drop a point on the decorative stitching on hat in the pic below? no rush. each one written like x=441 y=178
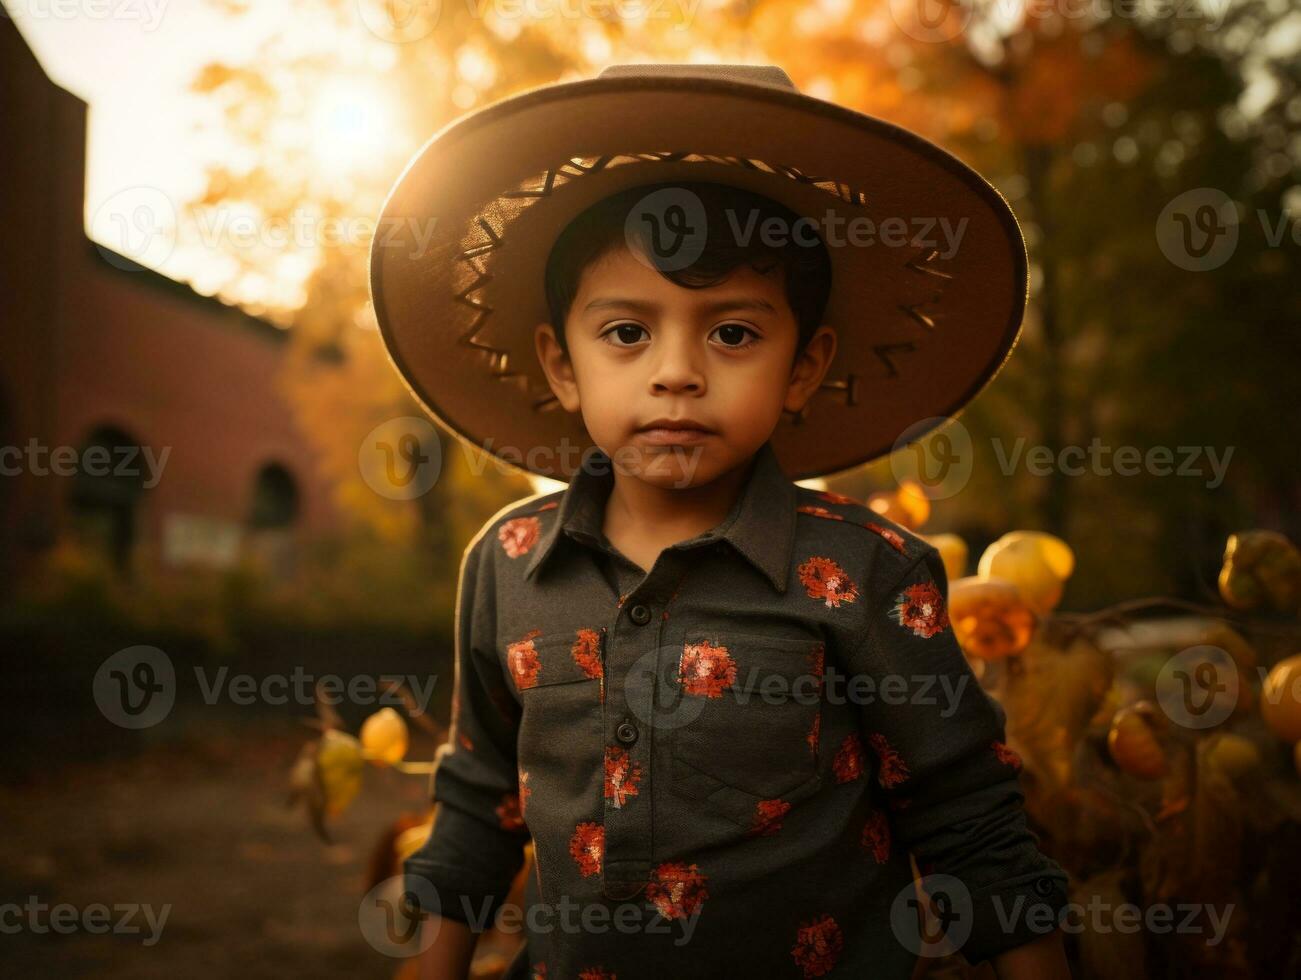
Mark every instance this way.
x=536 y=188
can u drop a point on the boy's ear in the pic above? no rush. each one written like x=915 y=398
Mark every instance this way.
x=557 y=366
x=810 y=368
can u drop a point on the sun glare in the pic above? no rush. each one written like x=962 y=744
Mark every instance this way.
x=348 y=121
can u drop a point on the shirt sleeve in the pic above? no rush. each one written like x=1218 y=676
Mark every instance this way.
x=476 y=846
x=951 y=782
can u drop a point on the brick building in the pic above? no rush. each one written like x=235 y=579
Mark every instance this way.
x=135 y=413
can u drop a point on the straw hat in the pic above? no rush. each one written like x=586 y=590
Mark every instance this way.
x=457 y=263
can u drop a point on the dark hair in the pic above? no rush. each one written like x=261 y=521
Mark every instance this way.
x=600 y=229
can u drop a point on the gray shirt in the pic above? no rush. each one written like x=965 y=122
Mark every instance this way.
x=724 y=763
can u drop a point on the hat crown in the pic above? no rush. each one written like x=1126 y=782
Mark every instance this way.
x=750 y=74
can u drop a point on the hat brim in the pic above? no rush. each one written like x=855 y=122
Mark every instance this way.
x=457 y=268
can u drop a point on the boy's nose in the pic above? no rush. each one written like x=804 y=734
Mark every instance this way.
x=677 y=366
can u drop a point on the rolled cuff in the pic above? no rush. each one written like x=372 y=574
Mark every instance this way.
x=1016 y=911
x=469 y=864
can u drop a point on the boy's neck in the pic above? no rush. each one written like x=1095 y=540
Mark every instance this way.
x=642 y=519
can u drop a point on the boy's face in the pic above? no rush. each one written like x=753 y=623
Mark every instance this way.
x=642 y=348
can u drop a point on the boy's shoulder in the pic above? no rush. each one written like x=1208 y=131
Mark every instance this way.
x=517 y=525
x=884 y=550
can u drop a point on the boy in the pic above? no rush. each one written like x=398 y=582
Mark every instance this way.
x=727 y=709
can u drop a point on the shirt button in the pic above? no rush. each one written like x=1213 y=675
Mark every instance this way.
x=626 y=732
x=639 y=614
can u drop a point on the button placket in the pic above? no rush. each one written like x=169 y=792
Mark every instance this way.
x=627 y=860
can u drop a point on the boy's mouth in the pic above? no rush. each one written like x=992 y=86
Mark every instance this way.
x=666 y=432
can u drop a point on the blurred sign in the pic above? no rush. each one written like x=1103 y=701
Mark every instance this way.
x=192 y=539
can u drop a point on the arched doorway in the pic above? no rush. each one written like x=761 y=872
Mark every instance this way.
x=105 y=494
x=273 y=513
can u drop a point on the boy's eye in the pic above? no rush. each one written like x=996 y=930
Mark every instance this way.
x=734 y=335
x=624 y=334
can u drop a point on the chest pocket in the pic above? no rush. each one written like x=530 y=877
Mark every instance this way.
x=747 y=722
x=559 y=677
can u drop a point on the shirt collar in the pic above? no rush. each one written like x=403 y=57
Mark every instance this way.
x=760 y=525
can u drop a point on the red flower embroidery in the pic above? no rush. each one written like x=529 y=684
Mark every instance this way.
x=920 y=608
x=705 y=669
x=1006 y=754
x=835 y=498
x=768 y=817
x=893 y=770
x=596 y=973
x=848 y=763
x=817 y=946
x=824 y=579
x=524 y=791
x=677 y=889
x=518 y=535
x=893 y=538
x=587 y=652
x=621 y=776
x=876 y=835
x=817 y=511
x=540 y=972
x=466 y=742
x=814 y=731
x=587 y=847
x=508 y=812
x=522 y=658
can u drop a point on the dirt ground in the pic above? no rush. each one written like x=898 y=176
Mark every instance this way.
x=197 y=824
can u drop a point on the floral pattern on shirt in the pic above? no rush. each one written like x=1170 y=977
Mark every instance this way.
x=508 y=812
x=848 y=763
x=768 y=817
x=892 y=769
x=893 y=538
x=519 y=535
x=596 y=973
x=621 y=776
x=836 y=498
x=824 y=579
x=876 y=836
x=920 y=608
x=587 y=847
x=677 y=889
x=524 y=791
x=816 y=511
x=587 y=652
x=1006 y=754
x=522 y=659
x=817 y=946
x=706 y=670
